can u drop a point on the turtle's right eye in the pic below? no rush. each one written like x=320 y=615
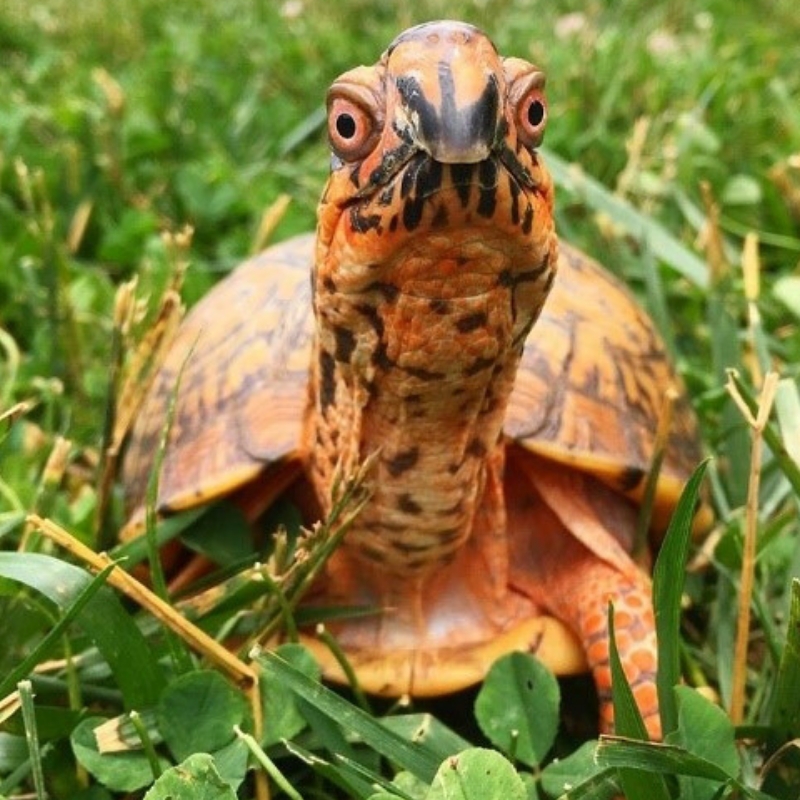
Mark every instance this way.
x=351 y=129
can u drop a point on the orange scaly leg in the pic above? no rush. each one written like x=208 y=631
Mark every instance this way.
x=582 y=602
x=570 y=537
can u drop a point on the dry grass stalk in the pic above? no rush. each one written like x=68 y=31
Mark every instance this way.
x=634 y=147
x=196 y=638
x=53 y=473
x=712 y=237
x=11 y=415
x=145 y=361
x=751 y=269
x=149 y=354
x=78 y=225
x=757 y=425
x=269 y=221
x=9 y=705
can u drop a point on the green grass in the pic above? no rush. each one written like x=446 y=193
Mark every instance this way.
x=152 y=115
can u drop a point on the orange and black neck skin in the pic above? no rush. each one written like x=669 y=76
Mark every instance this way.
x=435 y=252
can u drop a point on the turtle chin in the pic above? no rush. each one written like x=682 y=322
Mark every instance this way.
x=439 y=231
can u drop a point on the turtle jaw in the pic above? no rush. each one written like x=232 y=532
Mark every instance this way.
x=498 y=200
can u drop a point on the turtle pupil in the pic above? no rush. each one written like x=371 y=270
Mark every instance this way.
x=346 y=126
x=535 y=113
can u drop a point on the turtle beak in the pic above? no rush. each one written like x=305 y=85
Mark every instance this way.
x=453 y=112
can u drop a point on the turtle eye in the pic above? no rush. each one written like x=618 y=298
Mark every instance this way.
x=532 y=117
x=351 y=128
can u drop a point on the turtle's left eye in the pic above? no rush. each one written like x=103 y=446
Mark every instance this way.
x=532 y=116
x=351 y=128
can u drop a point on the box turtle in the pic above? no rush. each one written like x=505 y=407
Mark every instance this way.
x=511 y=386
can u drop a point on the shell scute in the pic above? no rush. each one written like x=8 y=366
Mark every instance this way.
x=592 y=380
x=244 y=351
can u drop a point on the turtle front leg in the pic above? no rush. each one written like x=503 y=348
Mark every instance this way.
x=569 y=542
x=582 y=601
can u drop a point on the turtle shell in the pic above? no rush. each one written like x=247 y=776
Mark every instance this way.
x=588 y=390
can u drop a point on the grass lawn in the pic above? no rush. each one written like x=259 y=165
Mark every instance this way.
x=674 y=139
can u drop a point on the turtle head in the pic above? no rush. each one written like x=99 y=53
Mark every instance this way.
x=435 y=143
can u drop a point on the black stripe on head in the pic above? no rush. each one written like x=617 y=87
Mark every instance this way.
x=487 y=178
x=514 y=189
x=412 y=212
x=527 y=220
x=461 y=175
x=430 y=125
x=429 y=179
x=483 y=112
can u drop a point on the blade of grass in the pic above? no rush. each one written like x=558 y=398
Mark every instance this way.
x=163 y=612
x=414 y=758
x=726 y=353
x=427 y=729
x=89 y=691
x=651 y=484
x=46 y=646
x=147 y=744
x=663 y=244
x=180 y=654
x=628 y=722
x=665 y=759
x=103 y=619
x=326 y=730
x=668 y=577
x=330 y=641
x=618 y=751
x=32 y=738
x=785 y=718
x=601 y=786
x=307 y=126
x=14 y=779
x=353 y=785
x=787 y=409
x=348 y=764
x=135 y=551
x=657 y=301
x=268 y=764
x=124 y=308
x=13 y=358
